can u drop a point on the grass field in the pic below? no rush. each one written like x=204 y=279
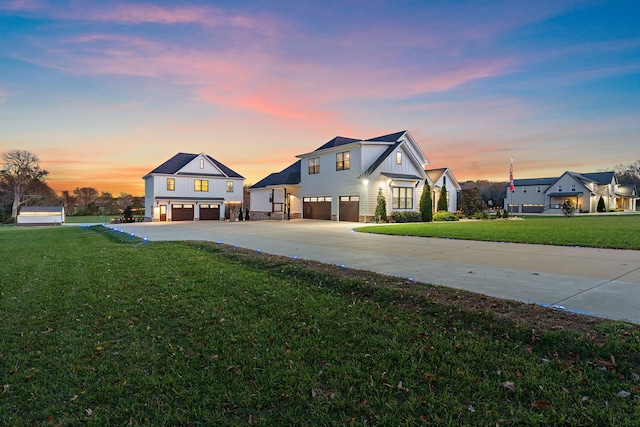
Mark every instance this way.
x=606 y=231
x=99 y=328
x=90 y=219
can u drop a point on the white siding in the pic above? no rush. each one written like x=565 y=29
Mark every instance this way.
x=194 y=167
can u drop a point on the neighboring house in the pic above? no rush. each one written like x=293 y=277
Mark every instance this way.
x=443 y=177
x=341 y=179
x=41 y=215
x=192 y=187
x=546 y=195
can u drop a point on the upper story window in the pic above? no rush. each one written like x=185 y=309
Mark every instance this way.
x=314 y=165
x=343 y=160
x=398 y=157
x=524 y=189
x=201 y=163
x=171 y=184
x=200 y=185
x=538 y=189
x=229 y=186
x=559 y=188
x=573 y=187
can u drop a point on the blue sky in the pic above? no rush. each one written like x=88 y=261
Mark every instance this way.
x=104 y=92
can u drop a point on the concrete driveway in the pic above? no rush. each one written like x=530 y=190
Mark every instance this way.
x=599 y=282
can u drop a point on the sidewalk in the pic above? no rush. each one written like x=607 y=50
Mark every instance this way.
x=599 y=282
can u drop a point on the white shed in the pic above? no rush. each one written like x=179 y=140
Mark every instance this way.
x=41 y=215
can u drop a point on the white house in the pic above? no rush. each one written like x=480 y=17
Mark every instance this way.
x=41 y=215
x=546 y=195
x=192 y=187
x=341 y=179
x=443 y=177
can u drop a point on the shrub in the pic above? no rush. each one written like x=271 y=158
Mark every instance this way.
x=408 y=216
x=444 y=216
x=498 y=214
x=443 y=204
x=505 y=214
x=381 y=208
x=480 y=215
x=426 y=203
x=601 y=206
x=568 y=208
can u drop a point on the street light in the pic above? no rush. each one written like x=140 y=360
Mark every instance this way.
x=366 y=195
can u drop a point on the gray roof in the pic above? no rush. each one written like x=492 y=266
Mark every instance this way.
x=42 y=209
x=336 y=142
x=392 y=137
x=180 y=160
x=288 y=176
x=533 y=181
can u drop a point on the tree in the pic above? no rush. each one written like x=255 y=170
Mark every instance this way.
x=628 y=174
x=381 y=207
x=443 y=204
x=85 y=195
x=568 y=208
x=601 y=206
x=19 y=174
x=426 y=203
x=471 y=201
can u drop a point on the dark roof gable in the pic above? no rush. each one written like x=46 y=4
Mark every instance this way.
x=180 y=160
x=336 y=142
x=288 y=176
x=392 y=137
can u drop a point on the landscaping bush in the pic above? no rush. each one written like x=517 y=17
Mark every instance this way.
x=405 y=217
x=444 y=216
x=505 y=214
x=480 y=215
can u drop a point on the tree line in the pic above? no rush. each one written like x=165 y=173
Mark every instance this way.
x=22 y=183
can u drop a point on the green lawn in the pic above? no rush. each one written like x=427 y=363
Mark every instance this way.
x=606 y=231
x=90 y=219
x=99 y=328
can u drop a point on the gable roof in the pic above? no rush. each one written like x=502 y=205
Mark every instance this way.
x=392 y=137
x=533 y=181
x=380 y=159
x=180 y=160
x=435 y=174
x=599 y=177
x=336 y=142
x=288 y=176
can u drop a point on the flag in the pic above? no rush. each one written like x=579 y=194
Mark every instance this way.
x=512 y=187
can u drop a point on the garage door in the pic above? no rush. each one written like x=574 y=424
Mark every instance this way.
x=350 y=208
x=316 y=207
x=209 y=212
x=531 y=208
x=182 y=213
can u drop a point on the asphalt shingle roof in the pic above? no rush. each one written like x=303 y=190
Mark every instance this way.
x=177 y=162
x=288 y=176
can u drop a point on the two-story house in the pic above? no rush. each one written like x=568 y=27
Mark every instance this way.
x=546 y=195
x=192 y=187
x=341 y=180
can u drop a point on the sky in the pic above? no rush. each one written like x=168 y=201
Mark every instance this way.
x=104 y=92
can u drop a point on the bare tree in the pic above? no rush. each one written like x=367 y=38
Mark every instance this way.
x=20 y=173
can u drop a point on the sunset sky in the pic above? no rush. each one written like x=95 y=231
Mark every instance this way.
x=105 y=91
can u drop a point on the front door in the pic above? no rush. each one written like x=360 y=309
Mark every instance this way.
x=163 y=212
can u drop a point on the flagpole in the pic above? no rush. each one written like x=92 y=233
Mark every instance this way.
x=511 y=185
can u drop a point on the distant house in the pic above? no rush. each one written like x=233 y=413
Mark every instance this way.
x=546 y=195
x=41 y=215
x=191 y=187
x=443 y=177
x=341 y=179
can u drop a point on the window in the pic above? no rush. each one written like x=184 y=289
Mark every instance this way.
x=559 y=188
x=171 y=184
x=573 y=187
x=398 y=157
x=200 y=185
x=201 y=163
x=524 y=190
x=402 y=197
x=538 y=189
x=229 y=186
x=343 y=161
x=314 y=165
